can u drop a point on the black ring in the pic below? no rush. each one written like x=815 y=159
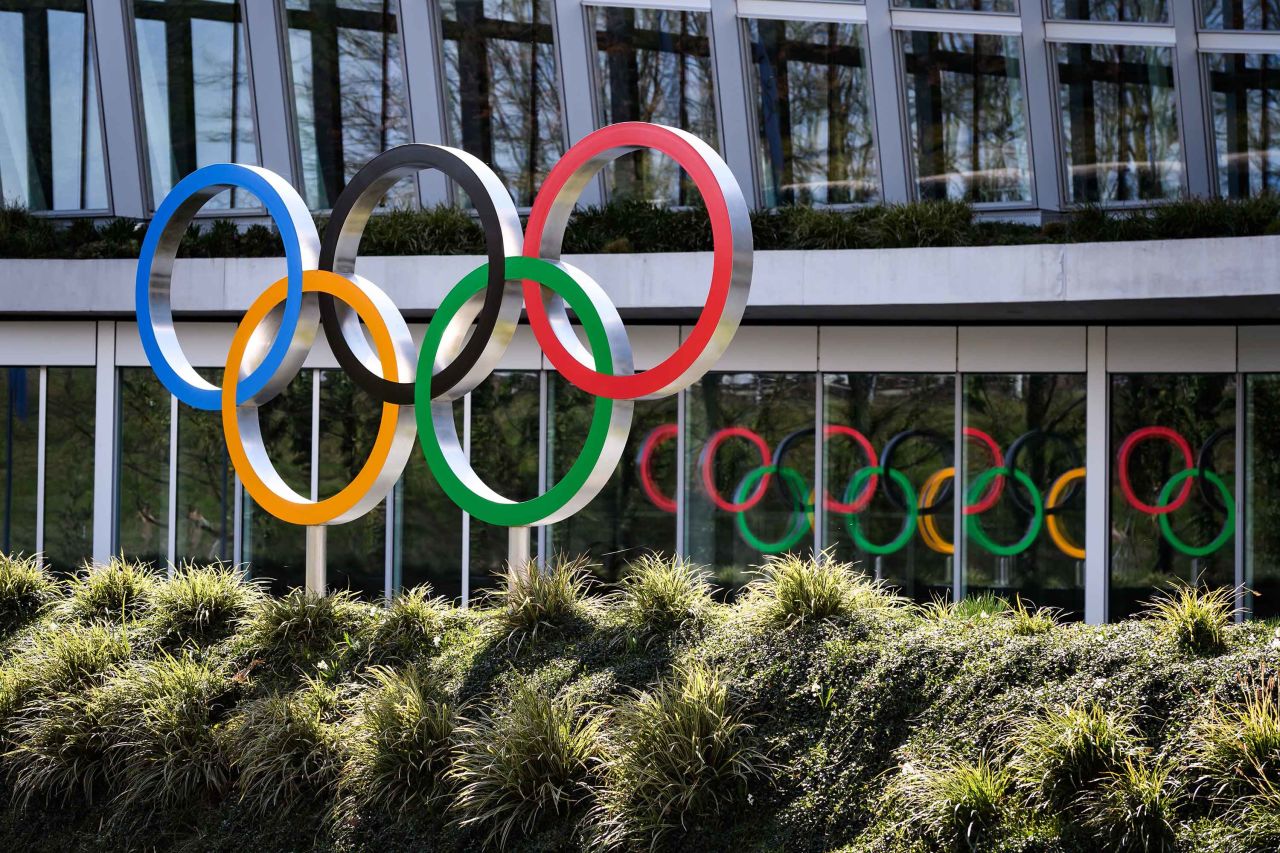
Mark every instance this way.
x=1204 y=462
x=944 y=446
x=343 y=234
x=781 y=450
x=1011 y=463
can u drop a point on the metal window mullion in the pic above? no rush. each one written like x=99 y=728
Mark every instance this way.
x=237 y=522
x=574 y=36
x=819 y=463
x=682 y=503
x=388 y=550
x=957 y=482
x=104 y=443
x=1242 y=603
x=1041 y=120
x=171 y=514
x=315 y=435
x=544 y=461
x=421 y=36
x=466 y=516
x=1097 y=500
x=271 y=86
x=42 y=424
x=733 y=97
x=886 y=82
x=1193 y=116
x=121 y=117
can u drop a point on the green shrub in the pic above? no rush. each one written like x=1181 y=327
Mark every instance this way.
x=1065 y=752
x=660 y=595
x=973 y=608
x=950 y=801
x=1135 y=808
x=411 y=626
x=1194 y=618
x=302 y=627
x=59 y=658
x=524 y=762
x=1025 y=621
x=794 y=590
x=203 y=603
x=121 y=589
x=532 y=602
x=401 y=748
x=25 y=588
x=286 y=750
x=62 y=747
x=1238 y=746
x=678 y=752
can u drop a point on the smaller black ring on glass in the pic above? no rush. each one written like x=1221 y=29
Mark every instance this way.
x=780 y=452
x=945 y=449
x=1204 y=462
x=1073 y=461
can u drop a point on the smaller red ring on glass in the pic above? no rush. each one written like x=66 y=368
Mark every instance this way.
x=707 y=464
x=1131 y=441
x=657 y=435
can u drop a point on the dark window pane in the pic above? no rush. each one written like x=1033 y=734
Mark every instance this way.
x=1128 y=11
x=1119 y=122
x=51 y=154
x=1004 y=6
x=206 y=485
x=816 y=135
x=1241 y=14
x=1245 y=92
x=428 y=545
x=501 y=87
x=68 y=468
x=966 y=116
x=142 y=511
x=20 y=409
x=1262 y=495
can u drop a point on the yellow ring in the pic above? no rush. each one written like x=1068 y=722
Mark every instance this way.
x=302 y=511
x=925 y=522
x=1051 y=519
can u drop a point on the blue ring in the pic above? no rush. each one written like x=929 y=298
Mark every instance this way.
x=248 y=179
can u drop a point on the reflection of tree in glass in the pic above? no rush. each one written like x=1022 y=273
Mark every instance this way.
x=1128 y=11
x=142 y=511
x=1241 y=14
x=504 y=442
x=69 y=430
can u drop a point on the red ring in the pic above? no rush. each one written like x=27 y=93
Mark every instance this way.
x=1126 y=449
x=559 y=181
x=656 y=436
x=869 y=490
x=996 y=489
x=708 y=457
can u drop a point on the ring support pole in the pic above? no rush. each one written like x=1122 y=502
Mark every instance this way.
x=317 y=563
x=518 y=558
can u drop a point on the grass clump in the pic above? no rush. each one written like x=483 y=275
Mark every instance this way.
x=660 y=595
x=950 y=802
x=975 y=608
x=25 y=589
x=303 y=627
x=203 y=603
x=796 y=590
x=412 y=625
x=62 y=747
x=1135 y=808
x=402 y=747
x=1238 y=746
x=682 y=750
x=59 y=658
x=1065 y=752
x=522 y=763
x=1027 y=621
x=120 y=589
x=1195 y=618
x=532 y=602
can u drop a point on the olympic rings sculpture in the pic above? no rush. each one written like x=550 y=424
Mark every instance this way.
x=523 y=271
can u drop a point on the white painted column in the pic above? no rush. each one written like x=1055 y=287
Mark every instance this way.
x=104 y=444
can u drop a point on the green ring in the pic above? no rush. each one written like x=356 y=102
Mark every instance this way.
x=1227 y=529
x=798 y=529
x=973 y=523
x=533 y=511
x=855 y=527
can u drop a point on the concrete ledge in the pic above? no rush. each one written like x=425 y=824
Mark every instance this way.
x=1180 y=280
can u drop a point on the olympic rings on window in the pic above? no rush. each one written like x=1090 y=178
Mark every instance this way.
x=644 y=462
x=973 y=523
x=801 y=521
x=908 y=522
x=707 y=458
x=927 y=517
x=1122 y=462
x=1228 y=526
x=1055 y=502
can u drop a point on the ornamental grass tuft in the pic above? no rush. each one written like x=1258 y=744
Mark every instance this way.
x=57 y=658
x=1195 y=618
x=119 y=590
x=25 y=589
x=533 y=602
x=661 y=595
x=1026 y=621
x=303 y=628
x=411 y=626
x=949 y=802
x=203 y=603
x=1135 y=808
x=1237 y=746
x=795 y=590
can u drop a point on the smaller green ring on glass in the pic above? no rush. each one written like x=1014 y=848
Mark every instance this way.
x=610 y=419
x=973 y=523
x=799 y=513
x=1227 y=529
x=898 y=542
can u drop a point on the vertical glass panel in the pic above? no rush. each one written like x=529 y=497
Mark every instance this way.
x=68 y=494
x=967 y=117
x=196 y=104
x=428 y=531
x=889 y=530
x=501 y=88
x=349 y=421
x=50 y=158
x=349 y=91
x=206 y=485
x=277 y=550
x=739 y=509
x=1002 y=6
x=1262 y=495
x=1245 y=93
x=1024 y=455
x=1173 y=491
x=142 y=510
x=20 y=408
x=1119 y=122
x=816 y=130
x=655 y=65
x=1126 y=11
x=1240 y=14
x=504 y=453
x=635 y=513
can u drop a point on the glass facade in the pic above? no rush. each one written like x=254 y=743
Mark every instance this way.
x=1262 y=494
x=144 y=430
x=1114 y=11
x=1240 y=14
x=20 y=395
x=1245 y=93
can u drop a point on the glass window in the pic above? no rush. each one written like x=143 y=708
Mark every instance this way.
x=1240 y=14
x=349 y=91
x=68 y=494
x=20 y=408
x=1172 y=495
x=883 y=522
x=196 y=104
x=501 y=87
x=1024 y=456
x=1119 y=122
x=206 y=485
x=50 y=159
x=1125 y=11
x=966 y=115
x=1004 y=6
x=739 y=507
x=1245 y=93
x=655 y=65
x=142 y=509
x=635 y=513
x=1262 y=494
x=816 y=130
x=428 y=532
